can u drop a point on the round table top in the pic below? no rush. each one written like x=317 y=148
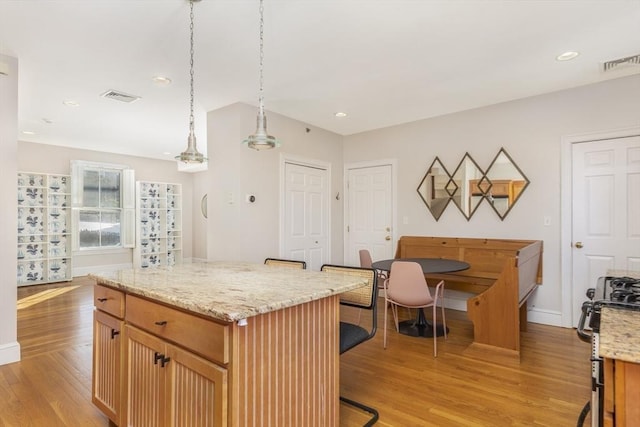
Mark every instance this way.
x=429 y=265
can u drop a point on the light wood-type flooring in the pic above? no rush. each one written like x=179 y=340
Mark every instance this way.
x=51 y=386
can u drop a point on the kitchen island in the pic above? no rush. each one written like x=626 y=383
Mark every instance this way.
x=220 y=343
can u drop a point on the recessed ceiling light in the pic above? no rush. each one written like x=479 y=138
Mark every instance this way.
x=161 y=80
x=567 y=56
x=70 y=103
x=340 y=114
x=28 y=132
x=166 y=153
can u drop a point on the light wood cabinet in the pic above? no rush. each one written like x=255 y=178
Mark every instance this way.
x=142 y=379
x=180 y=368
x=169 y=386
x=108 y=348
x=622 y=393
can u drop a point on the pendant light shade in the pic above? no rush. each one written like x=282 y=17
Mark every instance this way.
x=191 y=154
x=261 y=140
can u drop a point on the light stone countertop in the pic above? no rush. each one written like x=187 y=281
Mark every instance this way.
x=620 y=334
x=620 y=329
x=229 y=291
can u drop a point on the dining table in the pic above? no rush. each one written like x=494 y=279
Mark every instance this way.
x=420 y=326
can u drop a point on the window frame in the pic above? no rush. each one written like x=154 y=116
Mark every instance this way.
x=126 y=209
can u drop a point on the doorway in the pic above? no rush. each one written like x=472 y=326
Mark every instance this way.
x=602 y=206
x=305 y=219
x=370 y=210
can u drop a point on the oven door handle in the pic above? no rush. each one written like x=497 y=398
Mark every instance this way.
x=586 y=309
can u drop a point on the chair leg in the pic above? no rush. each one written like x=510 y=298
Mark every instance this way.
x=444 y=320
x=373 y=412
x=386 y=311
x=435 y=336
x=394 y=310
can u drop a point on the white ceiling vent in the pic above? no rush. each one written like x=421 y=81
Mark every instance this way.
x=119 y=96
x=621 y=63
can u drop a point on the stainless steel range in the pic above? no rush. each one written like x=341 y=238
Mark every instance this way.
x=616 y=292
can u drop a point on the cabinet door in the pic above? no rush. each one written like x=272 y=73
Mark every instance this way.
x=146 y=379
x=107 y=356
x=198 y=396
x=627 y=393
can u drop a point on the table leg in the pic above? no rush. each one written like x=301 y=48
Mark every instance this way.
x=420 y=327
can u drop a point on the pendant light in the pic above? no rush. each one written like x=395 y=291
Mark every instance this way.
x=191 y=154
x=261 y=140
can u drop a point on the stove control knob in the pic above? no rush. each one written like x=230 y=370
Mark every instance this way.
x=579 y=245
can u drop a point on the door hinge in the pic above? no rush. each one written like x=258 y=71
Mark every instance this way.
x=347 y=228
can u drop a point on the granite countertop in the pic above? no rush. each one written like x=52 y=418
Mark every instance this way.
x=620 y=334
x=620 y=329
x=229 y=291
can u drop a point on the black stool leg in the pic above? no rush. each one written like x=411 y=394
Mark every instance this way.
x=365 y=408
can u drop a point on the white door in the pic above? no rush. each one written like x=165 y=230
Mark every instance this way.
x=605 y=211
x=369 y=213
x=306 y=215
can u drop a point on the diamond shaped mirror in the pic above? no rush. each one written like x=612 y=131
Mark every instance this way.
x=432 y=189
x=465 y=186
x=506 y=183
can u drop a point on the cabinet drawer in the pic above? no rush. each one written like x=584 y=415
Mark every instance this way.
x=201 y=336
x=109 y=300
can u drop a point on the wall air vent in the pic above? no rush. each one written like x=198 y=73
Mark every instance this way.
x=621 y=63
x=119 y=96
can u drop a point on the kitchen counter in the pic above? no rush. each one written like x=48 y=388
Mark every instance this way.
x=233 y=343
x=620 y=334
x=620 y=329
x=229 y=291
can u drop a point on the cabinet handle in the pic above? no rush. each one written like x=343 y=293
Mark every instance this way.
x=157 y=356
x=114 y=333
x=160 y=357
x=161 y=323
x=102 y=299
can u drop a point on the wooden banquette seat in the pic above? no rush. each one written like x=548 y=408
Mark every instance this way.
x=503 y=273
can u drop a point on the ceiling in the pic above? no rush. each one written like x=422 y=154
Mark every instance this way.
x=384 y=62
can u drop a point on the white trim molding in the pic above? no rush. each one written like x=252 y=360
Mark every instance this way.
x=9 y=353
x=83 y=271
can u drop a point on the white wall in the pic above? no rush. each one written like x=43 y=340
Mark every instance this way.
x=249 y=232
x=9 y=347
x=530 y=130
x=54 y=159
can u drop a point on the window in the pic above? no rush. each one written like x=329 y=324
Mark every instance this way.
x=102 y=206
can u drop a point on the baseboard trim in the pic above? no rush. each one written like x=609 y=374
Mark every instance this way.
x=9 y=353
x=455 y=303
x=83 y=271
x=545 y=317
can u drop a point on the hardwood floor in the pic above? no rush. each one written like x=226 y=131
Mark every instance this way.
x=51 y=386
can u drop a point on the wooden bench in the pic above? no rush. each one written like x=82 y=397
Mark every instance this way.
x=503 y=273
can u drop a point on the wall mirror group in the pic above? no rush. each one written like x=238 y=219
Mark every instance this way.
x=501 y=185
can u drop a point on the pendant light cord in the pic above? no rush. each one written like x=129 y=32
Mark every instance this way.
x=191 y=119
x=261 y=97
